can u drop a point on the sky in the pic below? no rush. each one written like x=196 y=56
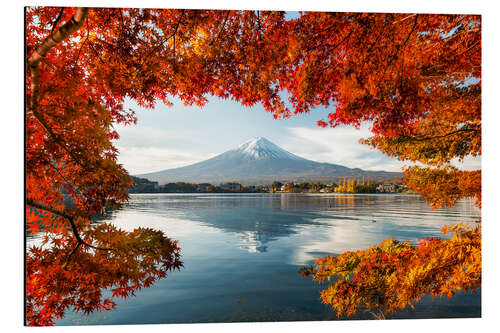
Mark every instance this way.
x=169 y=137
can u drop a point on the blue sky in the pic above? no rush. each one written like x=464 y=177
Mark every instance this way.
x=169 y=137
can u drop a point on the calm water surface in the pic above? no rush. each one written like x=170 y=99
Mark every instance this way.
x=241 y=254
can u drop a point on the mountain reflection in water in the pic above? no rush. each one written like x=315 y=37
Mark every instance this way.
x=241 y=254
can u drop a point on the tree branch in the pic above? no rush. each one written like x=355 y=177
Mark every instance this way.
x=166 y=39
x=121 y=17
x=470 y=47
x=73 y=25
x=222 y=28
x=400 y=46
x=334 y=46
x=258 y=23
x=408 y=138
x=71 y=254
x=68 y=216
x=57 y=20
x=411 y=31
x=96 y=53
x=81 y=47
x=56 y=139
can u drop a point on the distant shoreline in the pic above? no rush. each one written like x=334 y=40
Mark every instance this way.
x=347 y=186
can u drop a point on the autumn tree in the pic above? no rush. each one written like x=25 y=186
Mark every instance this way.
x=396 y=274
x=82 y=65
x=414 y=78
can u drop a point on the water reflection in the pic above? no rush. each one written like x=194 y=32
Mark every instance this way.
x=249 y=247
x=346 y=222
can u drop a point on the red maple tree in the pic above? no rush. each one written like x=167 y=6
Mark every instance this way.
x=415 y=78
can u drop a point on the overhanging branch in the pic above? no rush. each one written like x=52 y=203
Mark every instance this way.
x=57 y=19
x=167 y=38
x=427 y=138
x=222 y=28
x=68 y=216
x=73 y=25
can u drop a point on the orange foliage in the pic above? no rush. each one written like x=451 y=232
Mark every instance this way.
x=416 y=78
x=82 y=65
x=395 y=274
x=58 y=277
x=444 y=187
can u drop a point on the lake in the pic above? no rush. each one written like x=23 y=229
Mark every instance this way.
x=241 y=254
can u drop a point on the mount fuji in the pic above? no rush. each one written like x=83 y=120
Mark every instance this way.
x=258 y=161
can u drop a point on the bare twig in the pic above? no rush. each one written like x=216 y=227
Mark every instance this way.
x=404 y=18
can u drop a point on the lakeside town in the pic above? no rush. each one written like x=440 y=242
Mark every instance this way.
x=353 y=185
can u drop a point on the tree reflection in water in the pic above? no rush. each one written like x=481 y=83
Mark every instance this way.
x=66 y=276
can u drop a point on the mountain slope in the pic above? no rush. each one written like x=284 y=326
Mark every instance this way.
x=259 y=161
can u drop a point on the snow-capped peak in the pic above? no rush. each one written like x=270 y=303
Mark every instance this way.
x=260 y=147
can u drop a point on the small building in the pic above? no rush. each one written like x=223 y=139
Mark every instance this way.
x=285 y=187
x=387 y=188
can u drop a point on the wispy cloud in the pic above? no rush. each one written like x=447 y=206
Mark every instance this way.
x=469 y=163
x=146 y=149
x=139 y=160
x=341 y=146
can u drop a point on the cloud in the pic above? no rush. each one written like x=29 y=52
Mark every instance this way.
x=144 y=149
x=139 y=160
x=339 y=146
x=148 y=136
x=469 y=163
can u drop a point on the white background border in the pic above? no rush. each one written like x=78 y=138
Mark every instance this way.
x=11 y=303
